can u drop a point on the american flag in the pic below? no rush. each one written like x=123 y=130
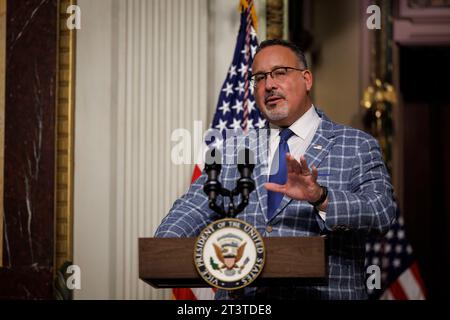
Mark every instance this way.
x=400 y=277
x=236 y=108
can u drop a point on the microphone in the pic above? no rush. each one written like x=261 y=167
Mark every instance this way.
x=246 y=164
x=213 y=166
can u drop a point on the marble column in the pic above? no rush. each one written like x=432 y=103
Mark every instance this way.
x=29 y=150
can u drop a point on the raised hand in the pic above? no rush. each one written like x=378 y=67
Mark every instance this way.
x=301 y=183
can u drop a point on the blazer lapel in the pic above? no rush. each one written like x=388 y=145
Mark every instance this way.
x=322 y=142
x=260 y=172
x=260 y=179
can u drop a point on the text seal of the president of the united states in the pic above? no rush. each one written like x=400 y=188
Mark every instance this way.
x=229 y=254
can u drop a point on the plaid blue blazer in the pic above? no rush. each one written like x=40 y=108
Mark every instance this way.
x=360 y=196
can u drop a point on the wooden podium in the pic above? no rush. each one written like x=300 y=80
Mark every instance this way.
x=169 y=262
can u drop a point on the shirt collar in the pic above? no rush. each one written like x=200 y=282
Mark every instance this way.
x=303 y=125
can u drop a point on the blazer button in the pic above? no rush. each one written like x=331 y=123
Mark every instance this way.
x=269 y=229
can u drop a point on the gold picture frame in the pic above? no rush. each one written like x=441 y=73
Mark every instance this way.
x=64 y=127
x=65 y=105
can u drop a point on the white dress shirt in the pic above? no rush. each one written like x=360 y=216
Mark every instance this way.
x=304 y=129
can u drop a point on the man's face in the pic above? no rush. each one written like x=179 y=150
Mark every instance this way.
x=283 y=100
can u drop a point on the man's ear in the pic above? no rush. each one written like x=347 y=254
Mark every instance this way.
x=307 y=75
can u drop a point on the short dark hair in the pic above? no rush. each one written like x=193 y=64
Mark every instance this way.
x=279 y=42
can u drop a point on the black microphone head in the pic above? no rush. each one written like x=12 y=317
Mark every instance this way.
x=213 y=165
x=213 y=160
x=246 y=161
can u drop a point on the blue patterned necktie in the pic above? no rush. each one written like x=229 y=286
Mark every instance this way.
x=280 y=177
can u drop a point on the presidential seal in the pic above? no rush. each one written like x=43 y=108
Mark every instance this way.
x=229 y=254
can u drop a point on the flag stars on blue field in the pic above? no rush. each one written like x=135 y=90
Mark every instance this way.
x=236 y=124
x=394 y=252
x=252 y=89
x=250 y=125
x=261 y=123
x=225 y=107
x=229 y=89
x=243 y=70
x=231 y=104
x=251 y=106
x=238 y=107
x=218 y=144
x=409 y=249
x=240 y=88
x=252 y=49
x=232 y=72
x=222 y=125
x=377 y=247
x=253 y=34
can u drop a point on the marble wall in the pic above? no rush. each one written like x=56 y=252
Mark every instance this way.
x=2 y=112
x=29 y=152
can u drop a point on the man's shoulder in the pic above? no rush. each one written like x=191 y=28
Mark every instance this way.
x=349 y=135
x=351 y=132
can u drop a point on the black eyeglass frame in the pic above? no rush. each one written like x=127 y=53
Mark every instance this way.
x=254 y=83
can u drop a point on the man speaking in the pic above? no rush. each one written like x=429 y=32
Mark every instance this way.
x=329 y=180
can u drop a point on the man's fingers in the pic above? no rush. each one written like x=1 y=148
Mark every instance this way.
x=315 y=173
x=290 y=167
x=293 y=164
x=275 y=187
x=304 y=166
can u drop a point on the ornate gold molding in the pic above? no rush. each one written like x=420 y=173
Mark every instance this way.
x=379 y=98
x=64 y=138
x=274 y=18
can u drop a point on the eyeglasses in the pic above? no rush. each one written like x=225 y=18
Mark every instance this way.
x=278 y=74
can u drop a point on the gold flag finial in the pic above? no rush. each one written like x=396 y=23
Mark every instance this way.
x=243 y=6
